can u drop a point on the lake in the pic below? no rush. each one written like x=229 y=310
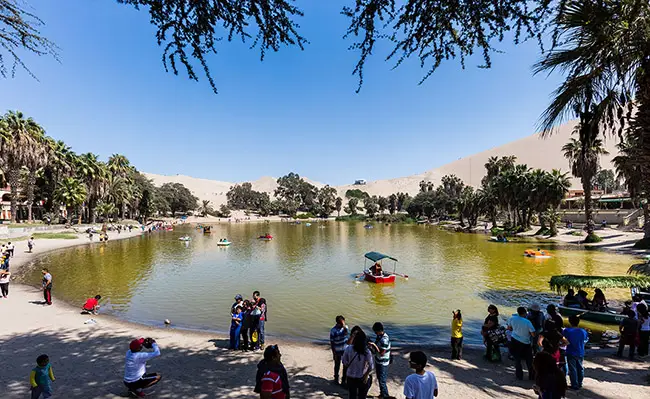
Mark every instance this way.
x=306 y=273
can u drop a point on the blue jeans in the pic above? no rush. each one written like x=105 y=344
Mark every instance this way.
x=44 y=390
x=382 y=376
x=234 y=337
x=261 y=327
x=576 y=370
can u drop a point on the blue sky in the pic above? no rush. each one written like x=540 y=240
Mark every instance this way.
x=295 y=111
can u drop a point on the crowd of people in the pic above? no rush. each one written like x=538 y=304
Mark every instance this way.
x=6 y=252
x=248 y=318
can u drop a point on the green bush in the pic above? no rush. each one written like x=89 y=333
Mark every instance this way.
x=351 y=218
x=495 y=231
x=592 y=238
x=576 y=233
x=306 y=215
x=396 y=218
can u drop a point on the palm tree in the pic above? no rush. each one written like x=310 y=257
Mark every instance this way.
x=106 y=209
x=37 y=157
x=205 y=208
x=93 y=173
x=584 y=158
x=71 y=193
x=119 y=165
x=604 y=48
x=557 y=186
x=17 y=138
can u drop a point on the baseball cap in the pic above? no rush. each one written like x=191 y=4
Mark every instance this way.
x=238 y=296
x=136 y=344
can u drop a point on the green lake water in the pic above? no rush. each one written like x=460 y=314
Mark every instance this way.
x=306 y=273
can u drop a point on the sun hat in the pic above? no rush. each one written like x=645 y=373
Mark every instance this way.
x=535 y=307
x=238 y=297
x=136 y=344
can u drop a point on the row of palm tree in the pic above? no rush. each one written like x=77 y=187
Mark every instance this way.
x=37 y=167
x=603 y=48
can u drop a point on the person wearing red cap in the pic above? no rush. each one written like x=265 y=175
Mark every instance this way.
x=135 y=368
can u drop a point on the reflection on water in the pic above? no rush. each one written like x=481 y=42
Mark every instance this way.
x=306 y=274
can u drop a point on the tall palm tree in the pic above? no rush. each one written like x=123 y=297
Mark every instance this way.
x=584 y=158
x=119 y=165
x=37 y=157
x=205 y=208
x=604 y=48
x=17 y=143
x=557 y=186
x=93 y=173
x=72 y=194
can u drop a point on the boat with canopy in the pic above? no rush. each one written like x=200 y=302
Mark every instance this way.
x=641 y=269
x=609 y=316
x=376 y=273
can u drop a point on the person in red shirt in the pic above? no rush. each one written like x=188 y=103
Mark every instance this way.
x=91 y=305
x=271 y=386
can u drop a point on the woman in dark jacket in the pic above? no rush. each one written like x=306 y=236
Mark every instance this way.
x=550 y=381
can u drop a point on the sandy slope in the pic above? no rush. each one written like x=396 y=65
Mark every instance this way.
x=532 y=150
x=88 y=359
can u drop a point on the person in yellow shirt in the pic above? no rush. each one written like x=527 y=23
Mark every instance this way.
x=457 y=335
x=41 y=378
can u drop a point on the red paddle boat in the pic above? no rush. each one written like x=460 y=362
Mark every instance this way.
x=376 y=274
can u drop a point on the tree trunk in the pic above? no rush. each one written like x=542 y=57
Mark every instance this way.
x=646 y=221
x=586 y=186
x=29 y=191
x=542 y=220
x=13 y=177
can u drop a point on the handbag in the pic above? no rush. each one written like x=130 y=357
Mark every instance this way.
x=497 y=335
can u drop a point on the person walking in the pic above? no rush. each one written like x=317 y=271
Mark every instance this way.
x=135 y=366
x=358 y=362
x=338 y=336
x=381 y=349
x=629 y=329
x=30 y=244
x=644 y=330
x=47 y=286
x=520 y=345
x=271 y=379
x=550 y=381
x=10 y=249
x=421 y=384
x=41 y=378
x=575 y=351
x=4 y=283
x=457 y=335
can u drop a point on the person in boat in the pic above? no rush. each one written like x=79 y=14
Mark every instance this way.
x=376 y=269
x=583 y=298
x=539 y=250
x=599 y=303
x=570 y=299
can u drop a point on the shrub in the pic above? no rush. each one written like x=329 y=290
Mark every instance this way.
x=306 y=215
x=351 y=218
x=592 y=238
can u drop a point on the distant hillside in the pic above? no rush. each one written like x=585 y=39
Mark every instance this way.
x=531 y=150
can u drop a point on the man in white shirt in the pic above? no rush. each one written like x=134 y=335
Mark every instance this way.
x=135 y=367
x=422 y=384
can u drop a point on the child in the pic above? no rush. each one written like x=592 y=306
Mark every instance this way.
x=235 y=328
x=457 y=335
x=41 y=378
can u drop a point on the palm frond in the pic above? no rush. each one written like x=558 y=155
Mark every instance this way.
x=564 y=282
x=640 y=269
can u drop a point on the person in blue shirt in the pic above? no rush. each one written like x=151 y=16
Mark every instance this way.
x=520 y=345
x=338 y=337
x=575 y=351
x=235 y=327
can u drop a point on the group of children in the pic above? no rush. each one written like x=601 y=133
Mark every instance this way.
x=248 y=318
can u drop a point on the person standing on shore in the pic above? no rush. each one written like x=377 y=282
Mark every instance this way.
x=492 y=352
x=421 y=384
x=457 y=335
x=259 y=312
x=271 y=380
x=30 y=244
x=575 y=351
x=41 y=378
x=338 y=336
x=550 y=381
x=135 y=366
x=47 y=287
x=381 y=348
x=521 y=348
x=644 y=329
x=235 y=328
x=4 y=283
x=358 y=363
x=629 y=329
x=10 y=249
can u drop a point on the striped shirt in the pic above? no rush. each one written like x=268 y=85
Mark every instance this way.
x=271 y=382
x=338 y=336
x=383 y=343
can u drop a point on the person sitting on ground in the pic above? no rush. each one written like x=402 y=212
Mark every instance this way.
x=599 y=303
x=135 y=367
x=570 y=299
x=376 y=269
x=91 y=305
x=422 y=384
x=271 y=380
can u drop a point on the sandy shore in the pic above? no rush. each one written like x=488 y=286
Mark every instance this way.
x=88 y=359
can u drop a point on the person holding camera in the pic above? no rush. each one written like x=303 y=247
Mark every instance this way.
x=135 y=368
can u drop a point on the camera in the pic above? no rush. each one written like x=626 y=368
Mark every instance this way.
x=148 y=342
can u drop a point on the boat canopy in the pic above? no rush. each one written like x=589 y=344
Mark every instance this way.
x=564 y=282
x=376 y=256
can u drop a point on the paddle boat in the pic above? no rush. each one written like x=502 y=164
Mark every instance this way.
x=185 y=238
x=373 y=275
x=224 y=243
x=207 y=230
x=539 y=254
x=606 y=316
x=307 y=224
x=498 y=239
x=368 y=226
x=265 y=237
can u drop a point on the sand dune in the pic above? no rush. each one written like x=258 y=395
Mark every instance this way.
x=531 y=150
